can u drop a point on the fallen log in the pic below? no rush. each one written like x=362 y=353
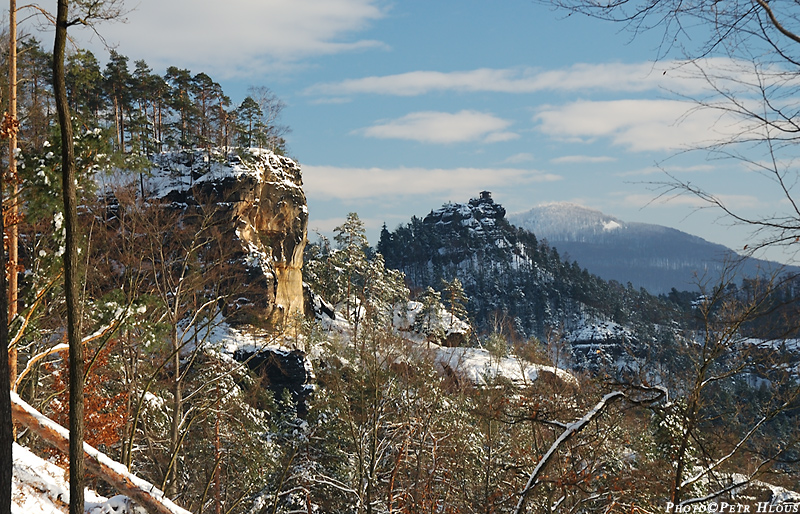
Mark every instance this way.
x=140 y=491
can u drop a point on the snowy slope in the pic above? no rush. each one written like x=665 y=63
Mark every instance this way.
x=41 y=487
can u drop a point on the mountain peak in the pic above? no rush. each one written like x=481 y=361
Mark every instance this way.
x=655 y=257
x=481 y=214
x=566 y=221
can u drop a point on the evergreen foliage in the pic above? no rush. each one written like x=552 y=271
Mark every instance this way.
x=146 y=112
x=358 y=284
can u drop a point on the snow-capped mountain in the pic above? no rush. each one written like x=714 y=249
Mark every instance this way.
x=655 y=257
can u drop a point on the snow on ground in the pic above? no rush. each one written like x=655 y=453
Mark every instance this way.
x=221 y=337
x=445 y=321
x=477 y=364
x=480 y=366
x=599 y=331
x=789 y=345
x=226 y=340
x=40 y=486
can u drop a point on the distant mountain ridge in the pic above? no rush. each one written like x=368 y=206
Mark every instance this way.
x=655 y=257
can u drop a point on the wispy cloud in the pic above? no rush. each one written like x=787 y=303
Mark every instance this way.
x=617 y=77
x=443 y=127
x=582 y=159
x=358 y=183
x=687 y=200
x=677 y=170
x=519 y=157
x=327 y=225
x=247 y=37
x=638 y=125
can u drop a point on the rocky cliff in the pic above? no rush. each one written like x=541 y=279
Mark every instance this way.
x=259 y=198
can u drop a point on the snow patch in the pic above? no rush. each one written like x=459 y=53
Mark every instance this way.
x=40 y=486
x=480 y=367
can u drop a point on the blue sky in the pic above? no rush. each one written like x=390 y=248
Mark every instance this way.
x=398 y=107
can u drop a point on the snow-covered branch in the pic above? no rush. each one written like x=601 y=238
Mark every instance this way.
x=26 y=320
x=730 y=487
x=142 y=492
x=571 y=430
x=62 y=347
x=713 y=466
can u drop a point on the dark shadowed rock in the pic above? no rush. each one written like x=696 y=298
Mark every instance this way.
x=280 y=370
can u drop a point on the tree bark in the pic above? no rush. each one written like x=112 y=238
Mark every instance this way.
x=170 y=483
x=6 y=424
x=69 y=191
x=140 y=491
x=13 y=205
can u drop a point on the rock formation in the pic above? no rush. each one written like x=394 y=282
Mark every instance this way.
x=260 y=197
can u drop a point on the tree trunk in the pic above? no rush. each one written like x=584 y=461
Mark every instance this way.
x=170 y=484
x=13 y=206
x=218 y=460
x=6 y=425
x=69 y=191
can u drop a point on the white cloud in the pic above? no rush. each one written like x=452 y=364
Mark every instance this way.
x=639 y=125
x=241 y=37
x=615 y=77
x=688 y=200
x=327 y=225
x=674 y=170
x=499 y=137
x=519 y=157
x=582 y=159
x=443 y=127
x=359 y=183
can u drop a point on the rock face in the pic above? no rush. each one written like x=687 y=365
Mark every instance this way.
x=281 y=370
x=480 y=217
x=259 y=197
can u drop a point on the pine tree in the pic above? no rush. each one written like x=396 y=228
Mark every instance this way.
x=35 y=99
x=148 y=93
x=456 y=298
x=428 y=320
x=206 y=94
x=180 y=99
x=249 y=122
x=350 y=258
x=117 y=82
x=84 y=86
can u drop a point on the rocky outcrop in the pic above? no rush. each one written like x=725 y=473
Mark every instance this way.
x=480 y=217
x=280 y=370
x=259 y=198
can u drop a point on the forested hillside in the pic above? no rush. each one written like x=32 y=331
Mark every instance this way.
x=515 y=282
x=724 y=361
